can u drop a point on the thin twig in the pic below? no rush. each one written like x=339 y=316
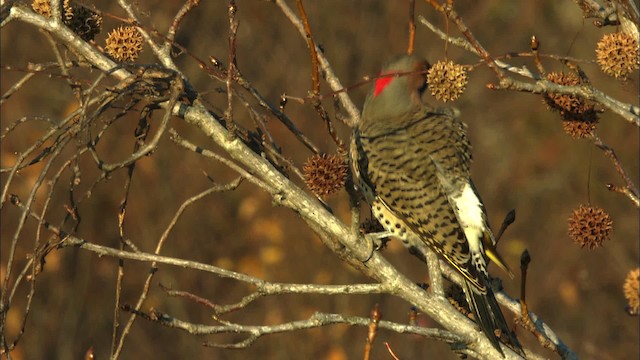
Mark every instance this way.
x=177 y=20
x=233 y=29
x=315 y=99
x=535 y=46
x=68 y=240
x=393 y=355
x=374 y=322
x=281 y=116
x=315 y=79
x=154 y=266
x=25 y=154
x=626 y=192
x=148 y=147
x=412 y=27
x=253 y=332
x=330 y=76
x=26 y=211
x=16 y=86
x=140 y=134
x=188 y=145
x=269 y=289
x=632 y=191
x=446 y=8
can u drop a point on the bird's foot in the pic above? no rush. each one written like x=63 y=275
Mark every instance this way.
x=378 y=241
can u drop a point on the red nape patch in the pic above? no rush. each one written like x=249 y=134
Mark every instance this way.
x=382 y=83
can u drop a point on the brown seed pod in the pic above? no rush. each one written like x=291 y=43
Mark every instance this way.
x=579 y=116
x=43 y=7
x=85 y=22
x=618 y=54
x=124 y=43
x=590 y=226
x=447 y=80
x=325 y=174
x=579 y=129
x=632 y=290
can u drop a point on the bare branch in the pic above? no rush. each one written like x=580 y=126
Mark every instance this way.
x=630 y=189
x=628 y=112
x=316 y=320
x=332 y=79
x=515 y=307
x=231 y=70
x=188 y=6
x=269 y=288
x=70 y=39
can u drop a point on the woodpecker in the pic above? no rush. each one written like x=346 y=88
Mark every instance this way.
x=412 y=164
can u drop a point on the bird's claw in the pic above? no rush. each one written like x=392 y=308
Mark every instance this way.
x=378 y=240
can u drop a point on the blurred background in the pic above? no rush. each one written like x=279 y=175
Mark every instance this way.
x=522 y=160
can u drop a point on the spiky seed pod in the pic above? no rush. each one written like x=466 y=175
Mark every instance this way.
x=447 y=80
x=579 y=129
x=562 y=102
x=631 y=290
x=589 y=226
x=43 y=7
x=618 y=54
x=124 y=43
x=86 y=23
x=325 y=174
x=567 y=105
x=579 y=116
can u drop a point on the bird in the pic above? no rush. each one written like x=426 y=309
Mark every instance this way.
x=412 y=163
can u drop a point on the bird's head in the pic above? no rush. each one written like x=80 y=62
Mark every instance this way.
x=397 y=90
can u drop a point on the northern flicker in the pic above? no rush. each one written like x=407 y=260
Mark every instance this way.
x=412 y=162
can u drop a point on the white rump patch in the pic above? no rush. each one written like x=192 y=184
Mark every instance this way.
x=470 y=216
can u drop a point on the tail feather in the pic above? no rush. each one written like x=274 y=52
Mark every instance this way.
x=489 y=317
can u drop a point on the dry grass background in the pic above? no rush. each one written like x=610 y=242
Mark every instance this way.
x=523 y=160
